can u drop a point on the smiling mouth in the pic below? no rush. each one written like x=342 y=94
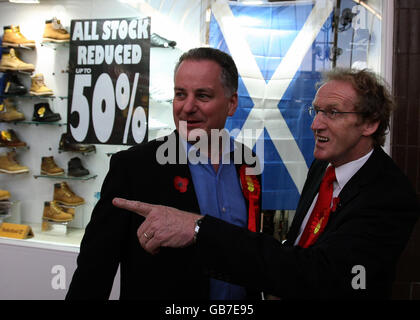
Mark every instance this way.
x=193 y=122
x=322 y=139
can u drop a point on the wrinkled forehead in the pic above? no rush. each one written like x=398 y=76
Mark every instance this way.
x=336 y=92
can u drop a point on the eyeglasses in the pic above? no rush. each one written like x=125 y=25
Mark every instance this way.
x=330 y=114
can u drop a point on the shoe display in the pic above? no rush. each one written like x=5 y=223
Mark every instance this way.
x=8 y=164
x=55 y=32
x=38 y=87
x=4 y=195
x=66 y=145
x=43 y=113
x=13 y=86
x=53 y=211
x=5 y=206
x=8 y=138
x=14 y=38
x=76 y=169
x=158 y=41
x=9 y=113
x=9 y=61
x=64 y=195
x=49 y=167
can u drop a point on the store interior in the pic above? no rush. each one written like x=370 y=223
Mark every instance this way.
x=58 y=182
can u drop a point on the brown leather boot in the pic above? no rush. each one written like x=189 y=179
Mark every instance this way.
x=64 y=195
x=9 y=113
x=49 y=167
x=52 y=211
x=55 y=32
x=9 y=61
x=14 y=38
x=8 y=164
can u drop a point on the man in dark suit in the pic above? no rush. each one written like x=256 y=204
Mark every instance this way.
x=205 y=94
x=351 y=224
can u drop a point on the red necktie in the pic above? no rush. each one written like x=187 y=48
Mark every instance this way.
x=321 y=212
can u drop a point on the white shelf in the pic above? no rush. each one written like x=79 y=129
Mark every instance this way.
x=69 y=242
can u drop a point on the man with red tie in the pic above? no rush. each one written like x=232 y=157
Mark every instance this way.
x=354 y=218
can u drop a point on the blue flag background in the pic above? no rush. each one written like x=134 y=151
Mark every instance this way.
x=270 y=33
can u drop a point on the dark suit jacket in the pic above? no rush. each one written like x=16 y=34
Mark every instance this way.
x=111 y=236
x=370 y=228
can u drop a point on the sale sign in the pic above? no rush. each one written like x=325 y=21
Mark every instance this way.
x=109 y=81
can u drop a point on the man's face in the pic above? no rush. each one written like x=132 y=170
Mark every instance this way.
x=200 y=98
x=346 y=137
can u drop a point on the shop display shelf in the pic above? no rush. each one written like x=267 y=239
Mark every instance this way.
x=29 y=96
x=66 y=177
x=53 y=45
x=18 y=46
x=36 y=123
x=84 y=153
x=16 y=148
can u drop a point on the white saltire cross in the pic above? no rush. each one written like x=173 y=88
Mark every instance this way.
x=266 y=96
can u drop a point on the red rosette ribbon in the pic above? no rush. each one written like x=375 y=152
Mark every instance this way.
x=251 y=190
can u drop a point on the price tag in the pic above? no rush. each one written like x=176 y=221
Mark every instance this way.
x=109 y=81
x=17 y=231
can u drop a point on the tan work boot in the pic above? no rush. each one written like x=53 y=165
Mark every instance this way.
x=55 y=32
x=8 y=164
x=52 y=211
x=9 y=61
x=50 y=168
x=64 y=195
x=9 y=113
x=4 y=195
x=12 y=37
x=68 y=210
x=38 y=87
x=9 y=138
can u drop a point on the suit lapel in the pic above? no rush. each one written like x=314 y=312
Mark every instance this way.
x=369 y=171
x=354 y=186
x=178 y=183
x=309 y=192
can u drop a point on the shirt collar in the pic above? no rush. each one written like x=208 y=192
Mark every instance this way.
x=344 y=172
x=229 y=146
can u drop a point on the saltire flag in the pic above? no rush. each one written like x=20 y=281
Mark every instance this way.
x=273 y=46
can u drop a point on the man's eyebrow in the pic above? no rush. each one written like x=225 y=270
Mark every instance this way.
x=328 y=106
x=207 y=89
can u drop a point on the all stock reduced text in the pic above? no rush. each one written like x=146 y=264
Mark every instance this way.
x=109 y=40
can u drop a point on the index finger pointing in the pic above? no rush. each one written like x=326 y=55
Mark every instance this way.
x=141 y=208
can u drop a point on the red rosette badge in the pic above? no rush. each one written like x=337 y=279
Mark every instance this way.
x=251 y=190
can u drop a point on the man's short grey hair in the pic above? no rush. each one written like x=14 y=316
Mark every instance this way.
x=229 y=74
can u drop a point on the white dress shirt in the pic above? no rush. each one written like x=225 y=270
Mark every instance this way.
x=343 y=174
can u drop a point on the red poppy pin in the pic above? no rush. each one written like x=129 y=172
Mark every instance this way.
x=181 y=184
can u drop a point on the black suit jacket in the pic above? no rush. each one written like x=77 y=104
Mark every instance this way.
x=370 y=228
x=111 y=236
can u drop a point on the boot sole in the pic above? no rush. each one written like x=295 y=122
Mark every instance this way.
x=17 y=69
x=54 y=40
x=51 y=174
x=14 y=172
x=13 y=145
x=77 y=175
x=17 y=45
x=12 y=120
x=70 y=204
x=56 y=220
x=41 y=94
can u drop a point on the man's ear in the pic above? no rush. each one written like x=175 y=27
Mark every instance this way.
x=233 y=104
x=370 y=127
